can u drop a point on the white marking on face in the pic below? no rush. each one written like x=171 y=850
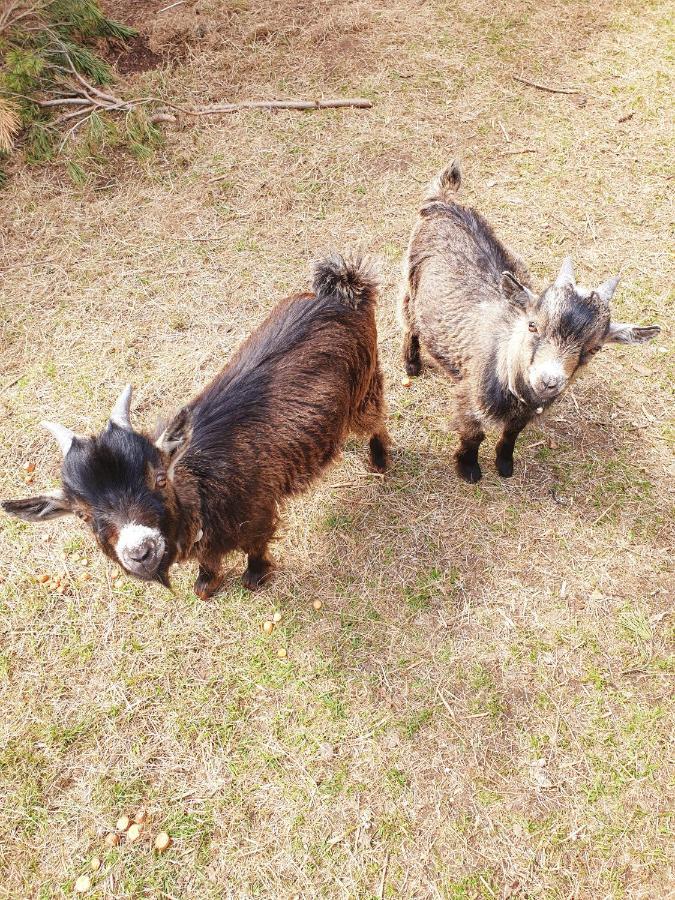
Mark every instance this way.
x=134 y=541
x=548 y=374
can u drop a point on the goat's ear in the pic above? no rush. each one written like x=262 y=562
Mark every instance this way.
x=514 y=291
x=625 y=333
x=38 y=509
x=176 y=434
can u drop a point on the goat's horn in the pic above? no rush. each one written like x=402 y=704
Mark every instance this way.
x=120 y=412
x=566 y=275
x=64 y=436
x=606 y=290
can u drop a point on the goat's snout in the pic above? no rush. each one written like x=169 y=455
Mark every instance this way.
x=140 y=549
x=548 y=379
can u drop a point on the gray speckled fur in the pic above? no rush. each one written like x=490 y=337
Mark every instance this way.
x=462 y=307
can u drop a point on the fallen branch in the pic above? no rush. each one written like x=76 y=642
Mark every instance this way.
x=227 y=108
x=545 y=87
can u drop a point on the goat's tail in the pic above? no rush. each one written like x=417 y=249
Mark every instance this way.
x=351 y=281
x=446 y=183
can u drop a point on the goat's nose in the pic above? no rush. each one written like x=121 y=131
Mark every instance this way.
x=142 y=552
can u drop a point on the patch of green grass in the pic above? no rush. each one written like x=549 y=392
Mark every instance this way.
x=470 y=887
x=416 y=722
x=420 y=596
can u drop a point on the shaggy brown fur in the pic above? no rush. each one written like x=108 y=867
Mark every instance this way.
x=263 y=429
x=468 y=302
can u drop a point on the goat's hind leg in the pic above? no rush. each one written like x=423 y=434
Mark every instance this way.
x=370 y=420
x=412 y=359
x=410 y=348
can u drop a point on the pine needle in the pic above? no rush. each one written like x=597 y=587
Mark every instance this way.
x=10 y=124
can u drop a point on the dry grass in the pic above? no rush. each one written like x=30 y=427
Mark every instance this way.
x=485 y=698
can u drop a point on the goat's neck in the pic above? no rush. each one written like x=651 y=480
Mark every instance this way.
x=189 y=512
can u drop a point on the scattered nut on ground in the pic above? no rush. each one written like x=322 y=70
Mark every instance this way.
x=268 y=627
x=95 y=864
x=123 y=823
x=134 y=833
x=82 y=884
x=317 y=604
x=406 y=381
x=111 y=839
x=141 y=815
x=276 y=617
x=162 y=842
x=281 y=653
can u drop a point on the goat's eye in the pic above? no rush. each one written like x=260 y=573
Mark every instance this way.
x=533 y=328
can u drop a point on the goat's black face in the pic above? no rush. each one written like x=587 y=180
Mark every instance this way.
x=115 y=481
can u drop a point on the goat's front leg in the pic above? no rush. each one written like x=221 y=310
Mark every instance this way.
x=504 y=450
x=210 y=577
x=258 y=569
x=471 y=436
x=255 y=545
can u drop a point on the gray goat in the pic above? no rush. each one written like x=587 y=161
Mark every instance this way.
x=469 y=303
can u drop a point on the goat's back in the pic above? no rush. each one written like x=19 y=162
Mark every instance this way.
x=282 y=407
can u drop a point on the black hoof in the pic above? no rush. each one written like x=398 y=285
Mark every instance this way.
x=469 y=471
x=413 y=367
x=205 y=588
x=379 y=458
x=504 y=466
x=253 y=580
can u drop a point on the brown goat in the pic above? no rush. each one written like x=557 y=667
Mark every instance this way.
x=263 y=429
x=468 y=302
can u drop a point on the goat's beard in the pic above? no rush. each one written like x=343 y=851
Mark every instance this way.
x=162 y=577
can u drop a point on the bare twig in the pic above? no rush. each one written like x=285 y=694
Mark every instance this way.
x=383 y=877
x=604 y=513
x=517 y=152
x=545 y=87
